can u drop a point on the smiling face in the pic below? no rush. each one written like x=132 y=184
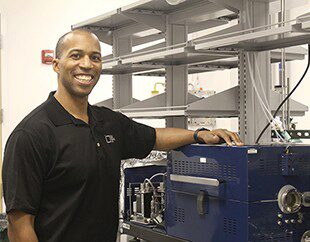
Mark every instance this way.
x=79 y=64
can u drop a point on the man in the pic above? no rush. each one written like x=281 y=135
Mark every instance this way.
x=61 y=163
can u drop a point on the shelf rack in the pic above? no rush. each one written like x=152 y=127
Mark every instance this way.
x=177 y=53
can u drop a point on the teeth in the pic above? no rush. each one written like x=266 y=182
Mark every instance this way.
x=83 y=77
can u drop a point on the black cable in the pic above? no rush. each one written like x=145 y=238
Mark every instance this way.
x=288 y=96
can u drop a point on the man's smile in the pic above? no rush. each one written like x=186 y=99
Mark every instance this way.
x=84 y=78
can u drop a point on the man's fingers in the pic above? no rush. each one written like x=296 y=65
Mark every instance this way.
x=220 y=136
x=224 y=135
x=215 y=139
x=237 y=139
x=227 y=136
x=232 y=136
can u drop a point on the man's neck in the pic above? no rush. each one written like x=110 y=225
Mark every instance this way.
x=74 y=105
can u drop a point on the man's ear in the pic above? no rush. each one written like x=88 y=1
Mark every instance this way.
x=56 y=65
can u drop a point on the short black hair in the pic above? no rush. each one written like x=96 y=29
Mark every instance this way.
x=61 y=40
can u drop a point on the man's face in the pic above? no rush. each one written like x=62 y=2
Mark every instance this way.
x=79 y=65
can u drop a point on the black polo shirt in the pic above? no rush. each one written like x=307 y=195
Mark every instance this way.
x=66 y=172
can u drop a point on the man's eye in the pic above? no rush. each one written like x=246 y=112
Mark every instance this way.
x=96 y=58
x=75 y=56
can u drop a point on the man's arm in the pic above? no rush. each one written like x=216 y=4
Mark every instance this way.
x=21 y=227
x=171 y=138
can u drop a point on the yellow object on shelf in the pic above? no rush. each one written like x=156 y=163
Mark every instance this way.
x=155 y=91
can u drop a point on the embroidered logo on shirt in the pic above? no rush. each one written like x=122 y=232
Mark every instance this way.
x=109 y=138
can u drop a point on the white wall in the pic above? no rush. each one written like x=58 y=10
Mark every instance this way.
x=28 y=27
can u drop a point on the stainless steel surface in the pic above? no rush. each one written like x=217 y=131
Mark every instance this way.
x=306 y=236
x=289 y=200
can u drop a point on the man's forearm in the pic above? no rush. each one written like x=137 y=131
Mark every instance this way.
x=25 y=234
x=171 y=138
x=21 y=227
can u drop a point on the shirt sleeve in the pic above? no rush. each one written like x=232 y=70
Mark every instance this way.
x=23 y=172
x=138 y=139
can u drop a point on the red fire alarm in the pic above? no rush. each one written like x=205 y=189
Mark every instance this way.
x=47 y=56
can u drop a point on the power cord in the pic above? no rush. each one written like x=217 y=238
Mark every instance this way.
x=288 y=96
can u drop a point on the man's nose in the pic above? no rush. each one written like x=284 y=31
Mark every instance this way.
x=86 y=62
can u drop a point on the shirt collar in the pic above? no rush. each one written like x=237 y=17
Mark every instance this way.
x=60 y=116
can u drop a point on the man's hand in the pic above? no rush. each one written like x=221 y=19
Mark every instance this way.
x=172 y=138
x=217 y=136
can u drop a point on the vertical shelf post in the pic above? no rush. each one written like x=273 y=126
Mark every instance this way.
x=252 y=118
x=122 y=84
x=176 y=76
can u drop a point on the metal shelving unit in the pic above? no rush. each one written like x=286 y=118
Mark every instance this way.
x=241 y=44
x=247 y=41
x=157 y=67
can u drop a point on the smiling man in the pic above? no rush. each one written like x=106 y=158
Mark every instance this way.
x=62 y=162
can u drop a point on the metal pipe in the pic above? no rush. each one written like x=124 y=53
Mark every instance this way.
x=283 y=85
x=288 y=111
x=283 y=69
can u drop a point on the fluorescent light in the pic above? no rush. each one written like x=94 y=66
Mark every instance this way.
x=175 y=2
